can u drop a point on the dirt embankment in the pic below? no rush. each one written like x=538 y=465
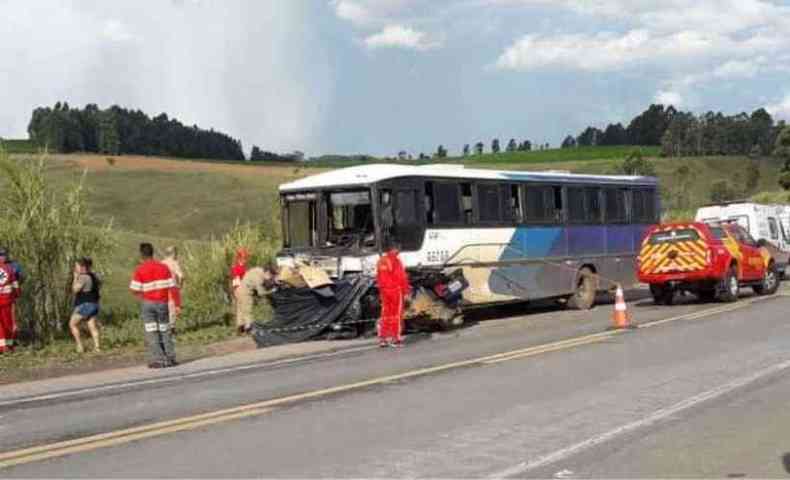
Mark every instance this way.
x=98 y=163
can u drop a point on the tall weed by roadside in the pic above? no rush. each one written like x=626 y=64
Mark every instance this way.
x=46 y=230
x=206 y=293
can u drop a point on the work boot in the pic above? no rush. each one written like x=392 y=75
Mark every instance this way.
x=156 y=365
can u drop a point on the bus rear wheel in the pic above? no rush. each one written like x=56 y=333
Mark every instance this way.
x=583 y=297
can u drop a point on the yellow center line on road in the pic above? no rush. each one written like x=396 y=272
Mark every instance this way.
x=549 y=349
x=118 y=437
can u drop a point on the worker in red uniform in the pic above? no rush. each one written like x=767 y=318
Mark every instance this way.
x=9 y=292
x=394 y=287
x=154 y=285
x=237 y=272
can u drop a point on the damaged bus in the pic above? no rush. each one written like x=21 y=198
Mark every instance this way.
x=470 y=236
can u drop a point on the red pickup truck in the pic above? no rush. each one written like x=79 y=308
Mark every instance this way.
x=711 y=261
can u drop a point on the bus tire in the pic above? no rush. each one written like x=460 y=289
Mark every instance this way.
x=583 y=297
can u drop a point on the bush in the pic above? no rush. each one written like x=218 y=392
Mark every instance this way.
x=635 y=164
x=723 y=191
x=207 y=296
x=784 y=179
x=46 y=230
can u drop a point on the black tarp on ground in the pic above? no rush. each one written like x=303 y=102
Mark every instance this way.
x=302 y=313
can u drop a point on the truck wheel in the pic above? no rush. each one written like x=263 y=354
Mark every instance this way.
x=770 y=282
x=729 y=289
x=586 y=287
x=662 y=294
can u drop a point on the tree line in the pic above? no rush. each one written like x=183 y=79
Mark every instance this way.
x=680 y=133
x=116 y=130
x=645 y=129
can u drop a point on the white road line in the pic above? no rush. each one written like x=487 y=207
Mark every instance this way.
x=176 y=378
x=651 y=419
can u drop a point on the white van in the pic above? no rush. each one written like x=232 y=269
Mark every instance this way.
x=769 y=224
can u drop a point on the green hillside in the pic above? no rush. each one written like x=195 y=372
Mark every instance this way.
x=18 y=146
x=556 y=155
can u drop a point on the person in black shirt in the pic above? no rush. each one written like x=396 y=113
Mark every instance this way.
x=85 y=287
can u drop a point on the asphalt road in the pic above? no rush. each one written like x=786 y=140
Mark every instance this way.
x=699 y=390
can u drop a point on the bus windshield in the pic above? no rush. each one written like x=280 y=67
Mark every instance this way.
x=346 y=222
x=349 y=219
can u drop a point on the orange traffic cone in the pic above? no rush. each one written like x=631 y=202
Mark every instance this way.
x=621 y=319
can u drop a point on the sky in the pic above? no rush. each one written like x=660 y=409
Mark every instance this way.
x=380 y=76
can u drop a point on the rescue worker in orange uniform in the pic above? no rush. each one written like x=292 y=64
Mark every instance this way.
x=237 y=272
x=9 y=292
x=393 y=284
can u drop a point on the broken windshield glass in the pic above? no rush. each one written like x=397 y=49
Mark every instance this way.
x=349 y=219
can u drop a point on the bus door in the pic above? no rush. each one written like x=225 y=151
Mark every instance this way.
x=401 y=213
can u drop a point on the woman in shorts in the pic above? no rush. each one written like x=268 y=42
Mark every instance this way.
x=85 y=287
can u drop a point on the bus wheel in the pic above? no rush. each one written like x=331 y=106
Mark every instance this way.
x=586 y=287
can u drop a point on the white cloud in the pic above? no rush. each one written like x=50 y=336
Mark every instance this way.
x=351 y=11
x=667 y=97
x=598 y=52
x=115 y=31
x=375 y=13
x=399 y=36
x=780 y=109
x=739 y=68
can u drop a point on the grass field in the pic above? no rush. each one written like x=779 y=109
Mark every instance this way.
x=516 y=159
x=557 y=155
x=18 y=146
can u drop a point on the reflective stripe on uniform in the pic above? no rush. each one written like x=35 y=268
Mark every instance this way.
x=163 y=327
x=151 y=327
x=151 y=286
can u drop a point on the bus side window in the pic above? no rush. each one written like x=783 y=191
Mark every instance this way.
x=644 y=206
x=615 y=205
x=466 y=199
x=577 y=211
x=515 y=214
x=429 y=203
x=773 y=228
x=784 y=233
x=593 y=205
x=557 y=215
x=489 y=203
x=447 y=203
x=535 y=206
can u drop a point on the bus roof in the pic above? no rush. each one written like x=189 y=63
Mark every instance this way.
x=364 y=175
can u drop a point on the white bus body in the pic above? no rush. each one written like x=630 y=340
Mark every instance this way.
x=516 y=235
